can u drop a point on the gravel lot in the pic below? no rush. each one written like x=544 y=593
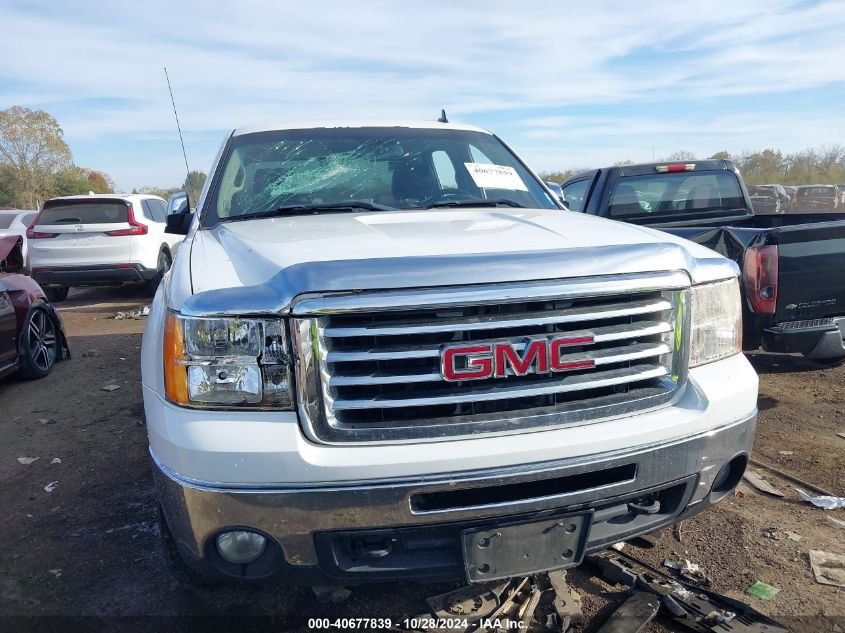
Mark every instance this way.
x=90 y=547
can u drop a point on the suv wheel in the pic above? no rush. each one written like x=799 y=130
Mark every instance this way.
x=39 y=343
x=163 y=266
x=55 y=294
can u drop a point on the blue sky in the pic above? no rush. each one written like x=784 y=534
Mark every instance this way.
x=567 y=85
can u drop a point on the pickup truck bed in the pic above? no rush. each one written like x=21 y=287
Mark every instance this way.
x=796 y=260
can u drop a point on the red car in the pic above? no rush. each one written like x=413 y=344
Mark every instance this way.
x=31 y=334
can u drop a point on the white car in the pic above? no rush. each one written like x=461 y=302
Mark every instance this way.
x=103 y=239
x=387 y=353
x=14 y=222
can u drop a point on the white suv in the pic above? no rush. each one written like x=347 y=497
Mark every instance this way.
x=105 y=239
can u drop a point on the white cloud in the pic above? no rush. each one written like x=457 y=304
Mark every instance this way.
x=237 y=63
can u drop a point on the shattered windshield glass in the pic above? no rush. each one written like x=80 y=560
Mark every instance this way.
x=371 y=168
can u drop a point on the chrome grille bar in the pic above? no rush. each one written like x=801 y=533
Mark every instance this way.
x=600 y=335
x=603 y=357
x=502 y=321
x=593 y=380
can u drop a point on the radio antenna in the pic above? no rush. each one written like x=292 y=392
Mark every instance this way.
x=178 y=127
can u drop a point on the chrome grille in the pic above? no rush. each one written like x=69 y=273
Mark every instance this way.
x=369 y=363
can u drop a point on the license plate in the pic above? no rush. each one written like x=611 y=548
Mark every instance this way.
x=520 y=549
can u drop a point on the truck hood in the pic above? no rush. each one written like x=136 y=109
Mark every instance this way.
x=261 y=265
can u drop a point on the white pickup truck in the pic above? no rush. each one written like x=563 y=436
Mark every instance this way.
x=385 y=352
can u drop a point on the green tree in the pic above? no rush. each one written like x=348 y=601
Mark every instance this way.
x=76 y=181
x=32 y=145
x=7 y=186
x=723 y=155
x=193 y=184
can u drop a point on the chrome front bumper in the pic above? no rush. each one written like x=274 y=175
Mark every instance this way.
x=313 y=523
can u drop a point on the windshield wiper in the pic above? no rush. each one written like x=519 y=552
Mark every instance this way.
x=481 y=202
x=300 y=209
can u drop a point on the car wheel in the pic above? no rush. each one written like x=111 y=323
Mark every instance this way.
x=164 y=263
x=39 y=344
x=55 y=294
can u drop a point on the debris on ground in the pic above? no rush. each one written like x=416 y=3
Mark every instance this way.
x=786 y=452
x=842 y=435
x=471 y=601
x=46 y=421
x=687 y=570
x=566 y=603
x=761 y=484
x=111 y=387
x=792 y=536
x=635 y=613
x=138 y=313
x=26 y=461
x=56 y=460
x=689 y=605
x=836 y=522
x=51 y=486
x=56 y=572
x=828 y=568
x=91 y=353
x=827 y=502
x=790 y=477
x=770 y=532
x=335 y=594
x=762 y=590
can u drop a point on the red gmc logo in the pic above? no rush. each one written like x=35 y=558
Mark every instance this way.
x=497 y=360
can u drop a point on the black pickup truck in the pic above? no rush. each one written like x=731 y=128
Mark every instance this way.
x=793 y=266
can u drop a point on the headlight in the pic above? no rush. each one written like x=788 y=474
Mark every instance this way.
x=221 y=362
x=716 y=316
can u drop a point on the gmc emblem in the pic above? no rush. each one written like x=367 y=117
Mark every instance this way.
x=497 y=360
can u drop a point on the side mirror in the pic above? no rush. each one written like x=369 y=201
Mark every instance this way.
x=179 y=223
x=565 y=204
x=178 y=203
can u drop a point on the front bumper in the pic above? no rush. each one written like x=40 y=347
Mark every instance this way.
x=337 y=533
x=100 y=275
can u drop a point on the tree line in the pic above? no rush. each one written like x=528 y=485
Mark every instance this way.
x=813 y=166
x=36 y=164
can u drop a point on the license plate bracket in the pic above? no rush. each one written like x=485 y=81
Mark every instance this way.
x=520 y=549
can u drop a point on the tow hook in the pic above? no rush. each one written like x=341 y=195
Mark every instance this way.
x=645 y=507
x=373 y=549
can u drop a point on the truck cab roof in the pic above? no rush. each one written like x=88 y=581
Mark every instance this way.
x=644 y=169
x=315 y=125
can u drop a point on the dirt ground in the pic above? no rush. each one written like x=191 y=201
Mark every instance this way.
x=86 y=555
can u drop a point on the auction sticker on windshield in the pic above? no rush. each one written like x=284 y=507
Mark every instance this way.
x=495 y=177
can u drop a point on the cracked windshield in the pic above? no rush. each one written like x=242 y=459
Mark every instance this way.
x=372 y=169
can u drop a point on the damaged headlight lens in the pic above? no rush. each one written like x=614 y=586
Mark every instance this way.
x=716 y=317
x=223 y=362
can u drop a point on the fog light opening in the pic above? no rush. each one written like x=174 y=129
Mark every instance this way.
x=240 y=547
x=729 y=475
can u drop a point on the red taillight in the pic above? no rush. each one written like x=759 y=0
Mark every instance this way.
x=136 y=227
x=32 y=234
x=671 y=169
x=760 y=272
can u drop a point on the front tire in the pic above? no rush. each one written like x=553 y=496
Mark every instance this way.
x=56 y=294
x=39 y=344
